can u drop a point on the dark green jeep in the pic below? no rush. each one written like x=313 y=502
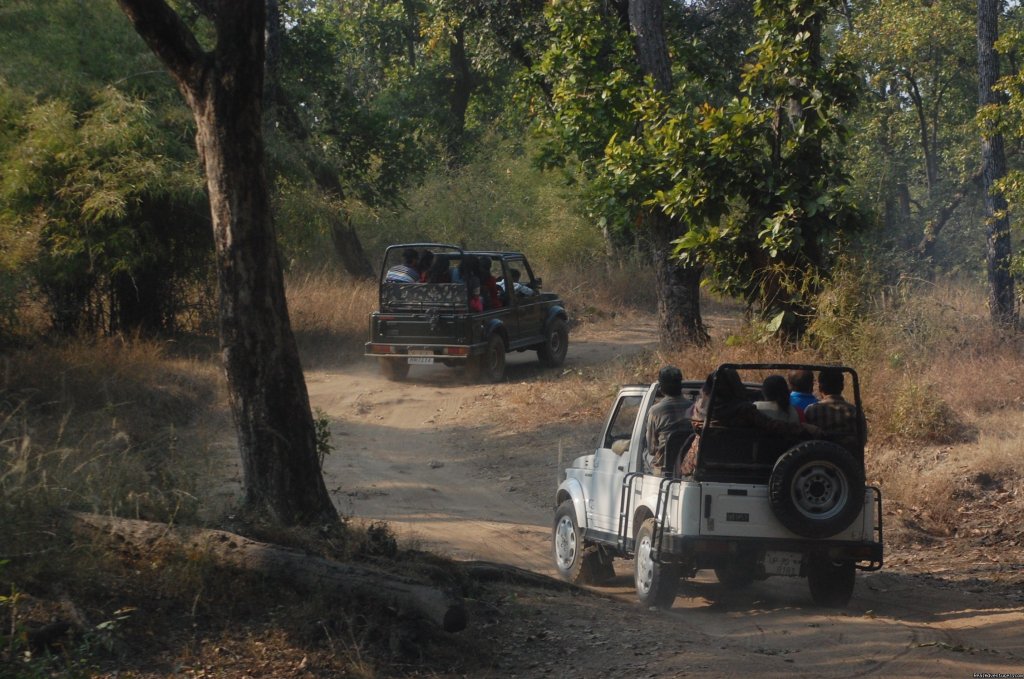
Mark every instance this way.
x=441 y=322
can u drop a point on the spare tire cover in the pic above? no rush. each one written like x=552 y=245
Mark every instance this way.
x=816 y=489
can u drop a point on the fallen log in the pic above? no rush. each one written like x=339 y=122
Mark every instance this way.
x=443 y=608
x=488 y=571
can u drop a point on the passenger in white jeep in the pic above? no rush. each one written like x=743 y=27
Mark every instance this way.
x=671 y=415
x=732 y=408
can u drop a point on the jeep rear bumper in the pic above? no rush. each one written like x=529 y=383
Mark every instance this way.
x=867 y=555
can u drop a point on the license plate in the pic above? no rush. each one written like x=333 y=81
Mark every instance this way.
x=421 y=360
x=782 y=563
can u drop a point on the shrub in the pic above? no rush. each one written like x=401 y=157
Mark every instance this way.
x=917 y=411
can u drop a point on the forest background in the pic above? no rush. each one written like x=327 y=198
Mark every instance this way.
x=820 y=163
x=785 y=147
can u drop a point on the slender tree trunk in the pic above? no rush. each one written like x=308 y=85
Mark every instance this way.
x=411 y=30
x=993 y=165
x=679 y=314
x=276 y=437
x=930 y=165
x=463 y=84
x=280 y=111
x=934 y=226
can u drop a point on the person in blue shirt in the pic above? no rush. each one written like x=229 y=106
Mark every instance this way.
x=801 y=385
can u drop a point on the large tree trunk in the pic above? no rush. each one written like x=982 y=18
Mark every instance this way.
x=993 y=167
x=678 y=287
x=463 y=82
x=646 y=20
x=276 y=437
x=680 y=320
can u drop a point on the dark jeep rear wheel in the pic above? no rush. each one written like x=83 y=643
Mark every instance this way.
x=556 y=344
x=491 y=364
x=816 y=489
x=395 y=369
x=735 y=576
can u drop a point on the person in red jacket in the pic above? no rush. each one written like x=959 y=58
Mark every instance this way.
x=492 y=294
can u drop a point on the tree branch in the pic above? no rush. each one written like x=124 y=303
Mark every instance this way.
x=169 y=38
x=931 y=230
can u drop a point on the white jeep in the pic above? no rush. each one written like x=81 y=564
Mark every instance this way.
x=757 y=504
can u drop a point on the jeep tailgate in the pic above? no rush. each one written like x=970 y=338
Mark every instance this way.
x=742 y=510
x=423 y=329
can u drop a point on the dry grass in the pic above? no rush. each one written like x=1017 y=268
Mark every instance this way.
x=599 y=291
x=124 y=428
x=107 y=426
x=330 y=316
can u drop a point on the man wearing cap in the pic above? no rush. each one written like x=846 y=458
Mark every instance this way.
x=669 y=415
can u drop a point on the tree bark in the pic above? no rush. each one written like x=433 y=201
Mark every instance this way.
x=310 y=573
x=463 y=84
x=678 y=286
x=267 y=391
x=646 y=20
x=993 y=167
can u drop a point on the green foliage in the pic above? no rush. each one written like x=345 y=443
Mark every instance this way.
x=496 y=200
x=758 y=181
x=598 y=95
x=102 y=206
x=843 y=311
x=115 y=206
x=913 y=137
x=1008 y=118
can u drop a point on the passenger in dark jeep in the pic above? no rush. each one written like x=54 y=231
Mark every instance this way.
x=444 y=320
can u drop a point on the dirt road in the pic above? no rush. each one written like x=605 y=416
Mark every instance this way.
x=424 y=456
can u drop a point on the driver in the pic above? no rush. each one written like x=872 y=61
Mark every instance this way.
x=669 y=415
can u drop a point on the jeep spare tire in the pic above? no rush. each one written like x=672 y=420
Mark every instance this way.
x=816 y=489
